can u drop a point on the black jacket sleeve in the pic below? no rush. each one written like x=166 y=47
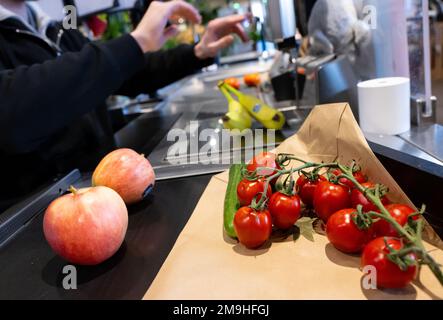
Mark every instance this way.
x=162 y=68
x=38 y=100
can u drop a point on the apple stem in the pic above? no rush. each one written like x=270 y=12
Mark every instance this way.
x=73 y=190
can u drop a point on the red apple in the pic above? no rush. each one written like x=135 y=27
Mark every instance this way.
x=87 y=226
x=127 y=172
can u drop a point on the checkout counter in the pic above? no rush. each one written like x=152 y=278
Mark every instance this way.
x=30 y=270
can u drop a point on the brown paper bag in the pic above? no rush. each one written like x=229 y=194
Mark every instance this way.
x=205 y=264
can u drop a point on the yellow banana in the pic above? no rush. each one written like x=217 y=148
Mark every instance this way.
x=237 y=117
x=266 y=115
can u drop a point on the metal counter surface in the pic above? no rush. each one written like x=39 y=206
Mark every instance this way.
x=196 y=98
x=399 y=149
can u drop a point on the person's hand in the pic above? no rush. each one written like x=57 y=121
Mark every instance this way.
x=218 y=35
x=152 y=33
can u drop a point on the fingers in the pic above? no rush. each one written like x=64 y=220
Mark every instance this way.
x=222 y=43
x=240 y=31
x=184 y=10
x=231 y=24
x=236 y=19
x=219 y=35
x=171 y=31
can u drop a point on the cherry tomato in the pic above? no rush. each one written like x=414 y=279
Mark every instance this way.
x=343 y=233
x=264 y=160
x=358 y=175
x=330 y=198
x=233 y=82
x=358 y=198
x=389 y=275
x=247 y=190
x=252 y=80
x=253 y=228
x=285 y=210
x=400 y=213
x=306 y=187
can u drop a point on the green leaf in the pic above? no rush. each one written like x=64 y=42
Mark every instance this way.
x=306 y=227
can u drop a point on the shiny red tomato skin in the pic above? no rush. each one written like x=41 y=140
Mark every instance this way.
x=358 y=175
x=389 y=275
x=358 y=198
x=253 y=228
x=400 y=213
x=330 y=198
x=264 y=159
x=344 y=234
x=247 y=190
x=306 y=188
x=285 y=210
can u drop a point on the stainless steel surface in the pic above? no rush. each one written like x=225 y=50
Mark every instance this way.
x=202 y=106
x=313 y=63
x=280 y=19
x=242 y=57
x=419 y=117
x=196 y=98
x=434 y=105
x=429 y=139
x=398 y=149
x=139 y=105
x=206 y=115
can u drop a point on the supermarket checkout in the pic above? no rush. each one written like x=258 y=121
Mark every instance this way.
x=54 y=83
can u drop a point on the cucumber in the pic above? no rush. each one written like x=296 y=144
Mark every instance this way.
x=231 y=201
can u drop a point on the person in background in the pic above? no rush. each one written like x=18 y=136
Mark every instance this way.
x=337 y=27
x=54 y=83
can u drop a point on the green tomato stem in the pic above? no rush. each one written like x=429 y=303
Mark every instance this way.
x=416 y=240
x=278 y=174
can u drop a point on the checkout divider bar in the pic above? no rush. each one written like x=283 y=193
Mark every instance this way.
x=15 y=218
